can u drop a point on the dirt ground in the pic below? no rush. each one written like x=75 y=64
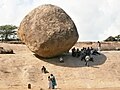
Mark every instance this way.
x=24 y=67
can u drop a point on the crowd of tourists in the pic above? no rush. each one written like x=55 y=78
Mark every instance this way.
x=85 y=54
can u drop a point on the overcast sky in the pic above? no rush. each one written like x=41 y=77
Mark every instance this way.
x=95 y=19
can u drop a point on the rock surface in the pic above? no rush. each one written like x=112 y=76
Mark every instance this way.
x=20 y=69
x=48 y=31
x=6 y=51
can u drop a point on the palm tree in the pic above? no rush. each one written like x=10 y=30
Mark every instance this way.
x=6 y=31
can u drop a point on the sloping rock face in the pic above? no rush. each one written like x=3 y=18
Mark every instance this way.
x=48 y=31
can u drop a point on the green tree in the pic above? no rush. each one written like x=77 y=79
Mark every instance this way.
x=117 y=37
x=111 y=38
x=6 y=31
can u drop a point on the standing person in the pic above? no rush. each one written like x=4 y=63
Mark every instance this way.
x=74 y=52
x=87 y=58
x=53 y=81
x=99 y=46
x=49 y=82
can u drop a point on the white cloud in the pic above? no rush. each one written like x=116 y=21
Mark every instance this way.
x=95 y=19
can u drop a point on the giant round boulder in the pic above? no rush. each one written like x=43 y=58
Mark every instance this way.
x=48 y=31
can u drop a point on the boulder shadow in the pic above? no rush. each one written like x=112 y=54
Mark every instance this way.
x=70 y=61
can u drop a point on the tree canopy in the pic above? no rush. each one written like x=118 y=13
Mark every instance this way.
x=7 y=32
x=111 y=38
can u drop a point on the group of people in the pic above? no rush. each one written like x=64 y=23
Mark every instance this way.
x=51 y=79
x=85 y=51
x=85 y=54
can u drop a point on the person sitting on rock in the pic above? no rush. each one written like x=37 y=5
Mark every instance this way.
x=44 y=70
x=61 y=60
x=78 y=53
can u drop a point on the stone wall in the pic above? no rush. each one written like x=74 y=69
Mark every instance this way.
x=104 y=45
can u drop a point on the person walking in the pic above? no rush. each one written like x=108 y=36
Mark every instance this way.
x=53 y=81
x=49 y=83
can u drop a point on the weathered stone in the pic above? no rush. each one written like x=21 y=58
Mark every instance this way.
x=48 y=31
x=6 y=51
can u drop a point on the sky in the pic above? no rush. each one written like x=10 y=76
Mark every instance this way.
x=95 y=19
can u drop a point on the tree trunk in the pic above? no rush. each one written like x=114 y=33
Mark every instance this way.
x=6 y=37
